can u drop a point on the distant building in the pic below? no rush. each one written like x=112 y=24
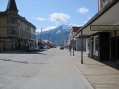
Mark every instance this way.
x=16 y=33
x=48 y=43
x=76 y=41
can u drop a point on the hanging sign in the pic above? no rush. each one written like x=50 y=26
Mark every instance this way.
x=104 y=27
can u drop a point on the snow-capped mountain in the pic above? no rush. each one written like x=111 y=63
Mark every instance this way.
x=57 y=35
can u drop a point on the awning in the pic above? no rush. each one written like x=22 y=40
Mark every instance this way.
x=106 y=16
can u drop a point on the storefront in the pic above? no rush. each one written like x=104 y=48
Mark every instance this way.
x=99 y=46
x=115 y=46
x=14 y=44
x=103 y=41
x=8 y=44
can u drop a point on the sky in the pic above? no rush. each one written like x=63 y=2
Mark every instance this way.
x=49 y=14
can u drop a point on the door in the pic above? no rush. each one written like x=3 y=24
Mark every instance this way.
x=117 y=53
x=113 y=49
x=1 y=46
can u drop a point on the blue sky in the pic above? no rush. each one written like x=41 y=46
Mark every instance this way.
x=49 y=14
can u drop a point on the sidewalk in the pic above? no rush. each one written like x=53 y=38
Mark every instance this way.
x=99 y=75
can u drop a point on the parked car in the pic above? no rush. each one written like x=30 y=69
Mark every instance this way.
x=46 y=47
x=61 y=47
x=30 y=49
x=36 y=48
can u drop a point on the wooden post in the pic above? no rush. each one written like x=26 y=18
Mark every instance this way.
x=81 y=48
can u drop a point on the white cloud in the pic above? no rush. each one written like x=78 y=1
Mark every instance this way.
x=83 y=10
x=32 y=17
x=40 y=19
x=46 y=29
x=59 y=17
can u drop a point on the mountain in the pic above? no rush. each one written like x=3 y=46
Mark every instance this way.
x=57 y=35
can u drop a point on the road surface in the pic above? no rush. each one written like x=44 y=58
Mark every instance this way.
x=48 y=69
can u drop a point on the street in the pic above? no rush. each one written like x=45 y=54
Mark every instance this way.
x=48 y=69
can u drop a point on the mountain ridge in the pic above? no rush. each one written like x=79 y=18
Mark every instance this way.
x=57 y=35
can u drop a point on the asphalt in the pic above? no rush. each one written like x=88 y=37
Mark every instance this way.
x=99 y=75
x=50 y=69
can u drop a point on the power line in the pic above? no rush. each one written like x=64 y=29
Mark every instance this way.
x=24 y=9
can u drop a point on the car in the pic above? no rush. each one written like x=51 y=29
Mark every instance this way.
x=46 y=47
x=61 y=47
x=36 y=48
x=30 y=49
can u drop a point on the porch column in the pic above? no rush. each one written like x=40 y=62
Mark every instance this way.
x=81 y=48
x=73 y=46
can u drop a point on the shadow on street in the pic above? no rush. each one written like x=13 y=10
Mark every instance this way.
x=25 y=52
x=24 y=62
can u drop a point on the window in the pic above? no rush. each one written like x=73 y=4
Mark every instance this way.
x=96 y=43
x=12 y=30
x=33 y=30
x=18 y=23
x=28 y=28
x=104 y=1
x=13 y=20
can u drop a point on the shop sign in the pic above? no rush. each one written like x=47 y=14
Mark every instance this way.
x=104 y=27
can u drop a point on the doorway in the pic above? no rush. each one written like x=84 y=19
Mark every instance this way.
x=115 y=49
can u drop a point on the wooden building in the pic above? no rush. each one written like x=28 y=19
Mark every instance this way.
x=16 y=33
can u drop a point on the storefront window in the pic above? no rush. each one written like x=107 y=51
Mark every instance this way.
x=7 y=44
x=96 y=43
x=96 y=46
x=89 y=44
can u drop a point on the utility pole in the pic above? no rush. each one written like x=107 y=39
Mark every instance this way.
x=48 y=39
x=41 y=35
x=41 y=38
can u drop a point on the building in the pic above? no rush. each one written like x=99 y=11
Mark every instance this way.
x=103 y=32
x=16 y=33
x=102 y=3
x=76 y=41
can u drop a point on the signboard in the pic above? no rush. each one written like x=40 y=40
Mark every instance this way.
x=104 y=27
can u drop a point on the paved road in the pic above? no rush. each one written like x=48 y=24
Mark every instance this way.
x=50 y=69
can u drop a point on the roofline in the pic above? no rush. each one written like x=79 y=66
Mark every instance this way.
x=12 y=6
x=99 y=13
x=26 y=21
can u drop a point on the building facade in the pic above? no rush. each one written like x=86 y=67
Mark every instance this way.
x=103 y=32
x=76 y=41
x=16 y=33
x=104 y=44
x=102 y=3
